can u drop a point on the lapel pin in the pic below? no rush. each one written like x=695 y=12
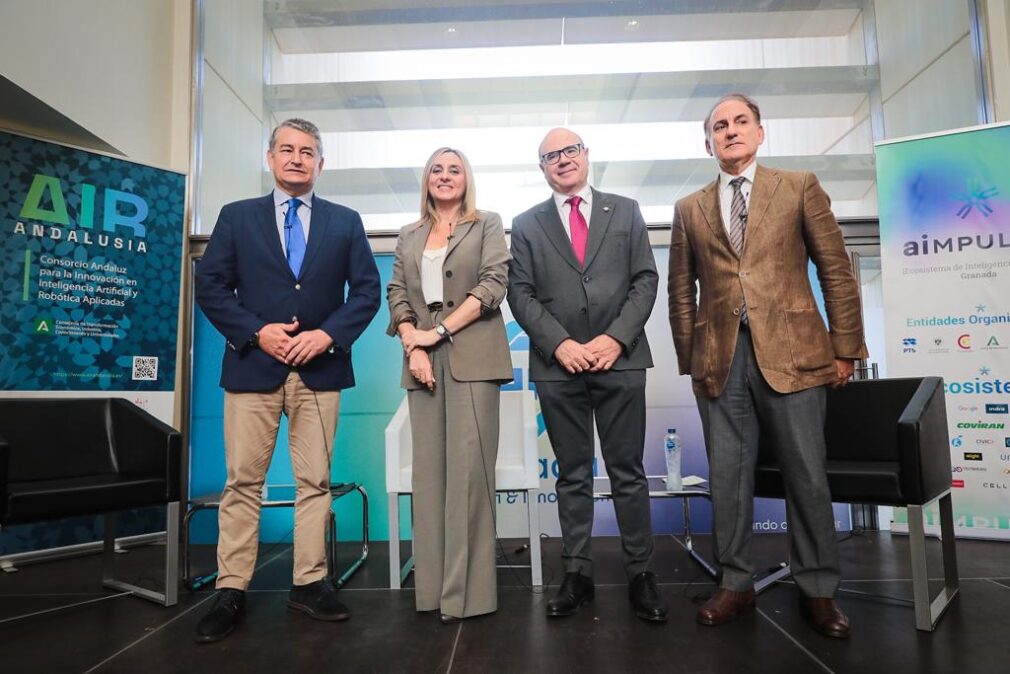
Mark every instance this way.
x=606 y=209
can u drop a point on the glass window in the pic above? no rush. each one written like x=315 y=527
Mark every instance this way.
x=388 y=81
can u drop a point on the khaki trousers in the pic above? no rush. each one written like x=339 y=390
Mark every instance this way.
x=455 y=433
x=251 y=421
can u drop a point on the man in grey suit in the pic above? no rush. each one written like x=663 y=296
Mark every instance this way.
x=582 y=284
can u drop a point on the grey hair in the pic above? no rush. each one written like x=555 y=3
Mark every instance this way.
x=735 y=96
x=298 y=124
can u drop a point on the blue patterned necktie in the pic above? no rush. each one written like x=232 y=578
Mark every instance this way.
x=294 y=237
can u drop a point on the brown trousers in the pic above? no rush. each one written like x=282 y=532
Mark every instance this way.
x=251 y=421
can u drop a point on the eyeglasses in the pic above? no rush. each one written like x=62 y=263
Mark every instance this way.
x=554 y=156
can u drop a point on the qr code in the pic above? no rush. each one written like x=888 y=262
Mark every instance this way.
x=145 y=368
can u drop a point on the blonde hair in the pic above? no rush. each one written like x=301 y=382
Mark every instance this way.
x=467 y=207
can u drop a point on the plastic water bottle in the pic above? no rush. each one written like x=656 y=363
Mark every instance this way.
x=672 y=447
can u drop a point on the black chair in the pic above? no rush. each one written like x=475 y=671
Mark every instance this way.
x=887 y=444
x=68 y=457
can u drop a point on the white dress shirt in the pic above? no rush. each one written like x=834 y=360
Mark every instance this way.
x=281 y=199
x=564 y=210
x=726 y=193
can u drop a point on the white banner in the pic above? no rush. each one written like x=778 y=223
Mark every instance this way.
x=945 y=262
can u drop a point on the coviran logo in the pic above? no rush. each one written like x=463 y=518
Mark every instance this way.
x=980 y=425
x=957 y=484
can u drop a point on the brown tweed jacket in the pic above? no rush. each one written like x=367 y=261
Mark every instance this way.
x=789 y=224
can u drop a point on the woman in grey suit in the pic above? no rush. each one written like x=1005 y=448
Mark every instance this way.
x=449 y=277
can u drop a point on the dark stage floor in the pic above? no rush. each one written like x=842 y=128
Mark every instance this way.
x=126 y=634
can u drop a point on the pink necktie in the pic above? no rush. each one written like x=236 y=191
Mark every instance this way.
x=578 y=228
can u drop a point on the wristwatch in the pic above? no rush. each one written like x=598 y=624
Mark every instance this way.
x=443 y=332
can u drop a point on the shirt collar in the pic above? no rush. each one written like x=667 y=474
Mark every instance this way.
x=748 y=175
x=586 y=193
x=281 y=197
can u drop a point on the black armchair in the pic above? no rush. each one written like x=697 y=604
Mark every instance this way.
x=66 y=457
x=887 y=444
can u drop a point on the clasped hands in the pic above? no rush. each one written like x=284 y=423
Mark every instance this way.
x=597 y=355
x=418 y=361
x=280 y=341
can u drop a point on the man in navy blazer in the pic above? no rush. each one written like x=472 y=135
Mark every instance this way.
x=290 y=281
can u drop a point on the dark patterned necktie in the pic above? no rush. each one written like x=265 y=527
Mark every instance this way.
x=737 y=225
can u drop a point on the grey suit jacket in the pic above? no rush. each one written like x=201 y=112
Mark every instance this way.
x=554 y=298
x=476 y=263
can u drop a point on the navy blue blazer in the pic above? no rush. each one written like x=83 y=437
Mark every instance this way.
x=243 y=282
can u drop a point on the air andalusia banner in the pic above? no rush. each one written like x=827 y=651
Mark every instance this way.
x=945 y=259
x=91 y=250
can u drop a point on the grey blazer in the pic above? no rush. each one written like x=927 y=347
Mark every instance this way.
x=554 y=298
x=476 y=263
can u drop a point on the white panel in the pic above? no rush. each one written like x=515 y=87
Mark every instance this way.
x=418 y=36
x=786 y=137
x=233 y=151
x=107 y=65
x=856 y=140
x=578 y=113
x=233 y=47
x=608 y=142
x=570 y=30
x=913 y=34
x=917 y=108
x=562 y=60
x=689 y=27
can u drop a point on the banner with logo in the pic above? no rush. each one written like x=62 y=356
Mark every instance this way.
x=945 y=262
x=90 y=254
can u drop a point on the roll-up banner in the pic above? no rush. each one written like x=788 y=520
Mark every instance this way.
x=91 y=258
x=945 y=262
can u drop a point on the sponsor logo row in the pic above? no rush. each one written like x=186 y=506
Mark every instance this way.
x=964 y=343
x=987 y=484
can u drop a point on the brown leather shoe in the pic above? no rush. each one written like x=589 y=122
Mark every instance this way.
x=725 y=605
x=824 y=616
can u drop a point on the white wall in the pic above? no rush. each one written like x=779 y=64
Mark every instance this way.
x=233 y=138
x=119 y=68
x=925 y=48
x=998 y=27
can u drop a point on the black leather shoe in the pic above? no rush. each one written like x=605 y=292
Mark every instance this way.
x=645 y=598
x=449 y=619
x=223 y=616
x=319 y=600
x=575 y=591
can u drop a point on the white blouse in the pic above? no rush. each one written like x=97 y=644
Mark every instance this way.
x=431 y=273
